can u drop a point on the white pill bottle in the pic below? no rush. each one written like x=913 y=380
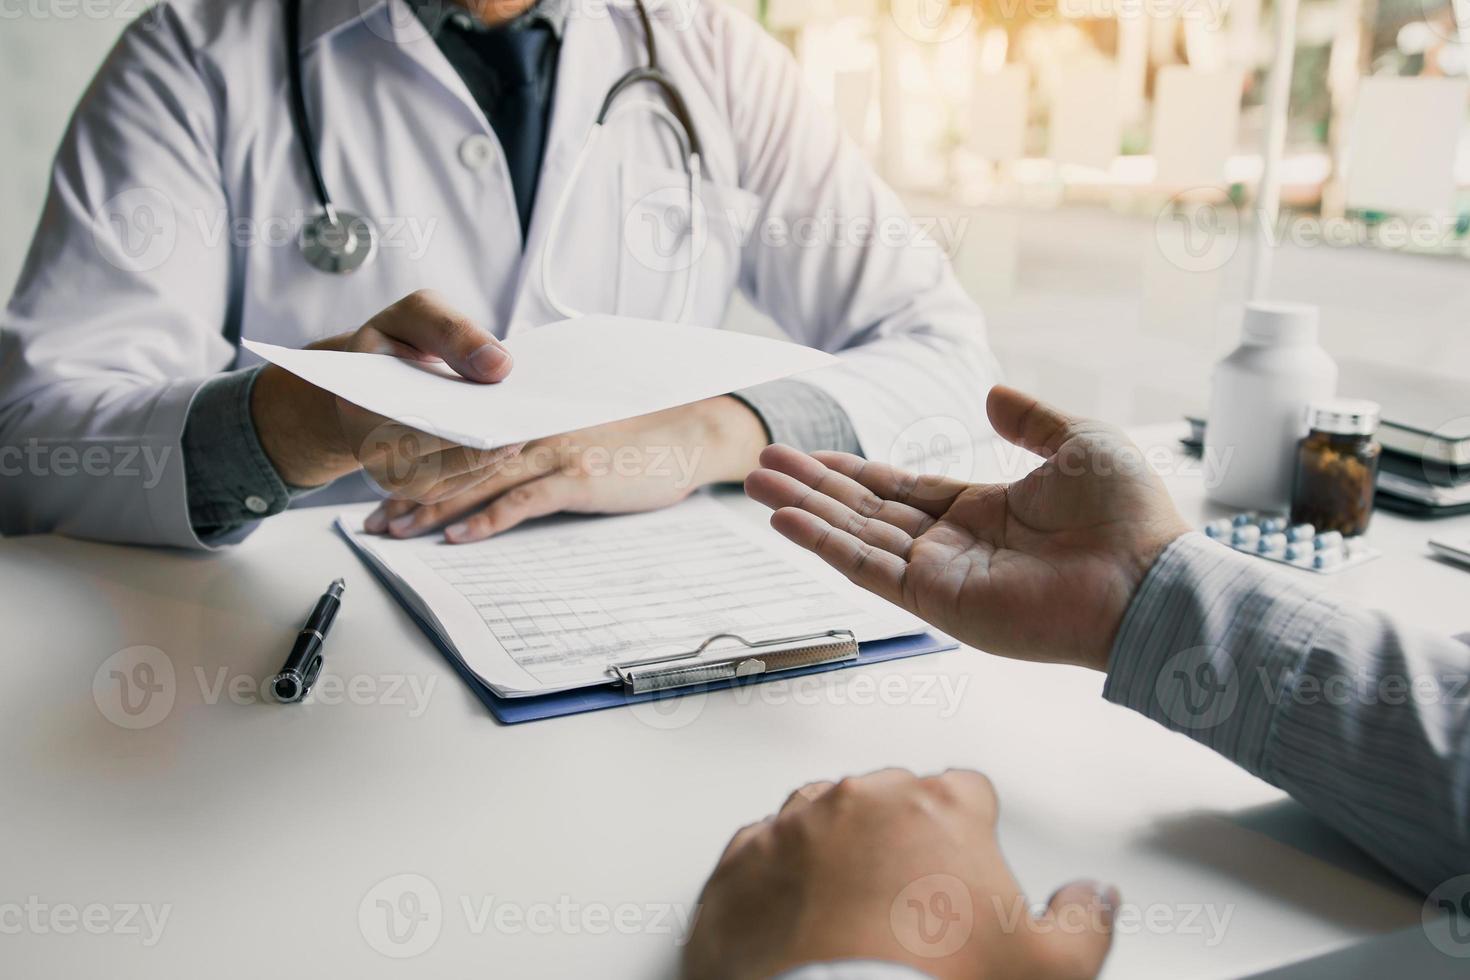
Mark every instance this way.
x=1258 y=406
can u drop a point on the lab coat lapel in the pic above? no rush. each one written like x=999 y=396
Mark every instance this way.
x=395 y=22
x=408 y=34
x=592 y=59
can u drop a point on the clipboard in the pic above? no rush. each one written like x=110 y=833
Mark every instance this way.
x=516 y=711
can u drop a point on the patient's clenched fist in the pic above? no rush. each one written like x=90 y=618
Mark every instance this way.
x=895 y=868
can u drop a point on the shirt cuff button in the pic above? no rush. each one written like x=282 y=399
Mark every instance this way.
x=256 y=505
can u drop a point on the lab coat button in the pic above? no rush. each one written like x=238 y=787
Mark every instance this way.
x=477 y=152
x=256 y=505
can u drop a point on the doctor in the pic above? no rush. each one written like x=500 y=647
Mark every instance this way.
x=425 y=179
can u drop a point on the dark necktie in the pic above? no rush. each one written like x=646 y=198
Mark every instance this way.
x=521 y=63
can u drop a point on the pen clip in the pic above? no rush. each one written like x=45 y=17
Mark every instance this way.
x=310 y=674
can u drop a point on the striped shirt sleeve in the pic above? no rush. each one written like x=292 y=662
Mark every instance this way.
x=1364 y=720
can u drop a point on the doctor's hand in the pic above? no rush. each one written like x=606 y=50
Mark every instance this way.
x=894 y=868
x=1040 y=569
x=638 y=464
x=312 y=437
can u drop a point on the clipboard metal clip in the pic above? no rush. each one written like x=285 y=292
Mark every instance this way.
x=664 y=673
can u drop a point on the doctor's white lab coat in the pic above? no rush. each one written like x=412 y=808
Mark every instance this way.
x=171 y=226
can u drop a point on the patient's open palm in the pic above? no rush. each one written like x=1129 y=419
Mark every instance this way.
x=1040 y=569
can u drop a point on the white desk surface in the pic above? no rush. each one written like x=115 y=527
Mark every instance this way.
x=570 y=848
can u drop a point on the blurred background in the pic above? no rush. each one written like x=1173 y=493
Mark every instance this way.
x=1091 y=166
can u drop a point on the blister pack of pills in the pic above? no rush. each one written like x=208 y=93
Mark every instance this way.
x=1275 y=538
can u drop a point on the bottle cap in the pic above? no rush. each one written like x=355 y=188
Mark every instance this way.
x=1280 y=324
x=1344 y=417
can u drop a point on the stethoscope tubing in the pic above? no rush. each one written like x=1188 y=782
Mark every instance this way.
x=338 y=241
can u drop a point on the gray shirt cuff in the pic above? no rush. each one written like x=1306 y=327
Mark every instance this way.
x=231 y=482
x=802 y=416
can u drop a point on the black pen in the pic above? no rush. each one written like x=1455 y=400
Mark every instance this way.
x=301 y=669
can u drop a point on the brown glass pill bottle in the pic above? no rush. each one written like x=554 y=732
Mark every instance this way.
x=1337 y=467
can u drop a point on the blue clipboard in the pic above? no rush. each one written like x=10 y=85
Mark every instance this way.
x=515 y=711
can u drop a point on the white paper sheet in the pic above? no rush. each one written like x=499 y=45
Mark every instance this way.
x=550 y=606
x=568 y=375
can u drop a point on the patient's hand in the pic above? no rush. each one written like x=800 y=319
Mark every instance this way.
x=894 y=868
x=637 y=464
x=1040 y=569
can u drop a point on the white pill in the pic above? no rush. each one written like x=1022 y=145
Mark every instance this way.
x=1270 y=544
x=1247 y=535
x=1301 y=532
x=1299 y=551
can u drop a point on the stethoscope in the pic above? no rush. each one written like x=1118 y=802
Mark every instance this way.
x=332 y=240
x=339 y=241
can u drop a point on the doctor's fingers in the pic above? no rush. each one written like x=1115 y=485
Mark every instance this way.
x=876 y=570
x=777 y=490
x=457 y=462
x=457 y=492
x=425 y=322
x=409 y=517
x=560 y=491
x=380 y=441
x=422 y=478
x=405 y=517
x=831 y=482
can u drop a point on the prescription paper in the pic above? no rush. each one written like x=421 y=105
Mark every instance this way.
x=567 y=376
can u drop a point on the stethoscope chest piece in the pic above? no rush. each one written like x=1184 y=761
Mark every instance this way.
x=338 y=242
